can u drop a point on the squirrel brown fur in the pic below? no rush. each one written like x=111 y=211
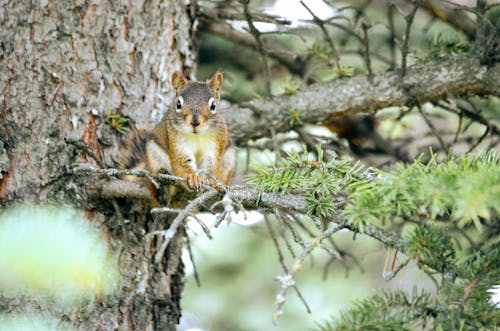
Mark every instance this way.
x=191 y=140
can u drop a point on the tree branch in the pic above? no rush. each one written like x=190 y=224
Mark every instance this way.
x=431 y=81
x=260 y=45
x=294 y=62
x=248 y=197
x=452 y=15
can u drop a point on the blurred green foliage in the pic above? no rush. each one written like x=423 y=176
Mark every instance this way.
x=238 y=291
x=52 y=254
x=29 y=323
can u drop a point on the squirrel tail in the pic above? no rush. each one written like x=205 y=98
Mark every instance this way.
x=134 y=149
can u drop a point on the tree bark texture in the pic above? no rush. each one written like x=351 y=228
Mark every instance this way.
x=64 y=65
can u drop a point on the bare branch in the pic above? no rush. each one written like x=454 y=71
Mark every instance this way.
x=169 y=233
x=293 y=62
x=282 y=261
x=321 y=24
x=431 y=81
x=462 y=111
x=366 y=55
x=406 y=42
x=433 y=129
x=288 y=280
x=260 y=46
x=392 y=34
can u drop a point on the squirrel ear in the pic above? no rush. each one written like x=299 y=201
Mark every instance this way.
x=215 y=83
x=178 y=81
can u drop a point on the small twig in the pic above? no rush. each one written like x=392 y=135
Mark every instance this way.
x=285 y=268
x=205 y=229
x=392 y=34
x=257 y=17
x=270 y=229
x=191 y=257
x=433 y=128
x=281 y=225
x=169 y=233
x=306 y=138
x=165 y=210
x=391 y=274
x=203 y=226
x=304 y=227
x=459 y=127
x=293 y=62
x=247 y=159
x=358 y=13
x=276 y=142
x=260 y=45
x=288 y=280
x=406 y=42
x=85 y=148
x=121 y=219
x=220 y=219
x=155 y=179
x=434 y=280
x=466 y=236
x=288 y=219
x=480 y=140
x=366 y=42
x=347 y=30
x=474 y=116
x=321 y=24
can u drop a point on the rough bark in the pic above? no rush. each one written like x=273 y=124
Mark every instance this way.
x=60 y=61
x=458 y=76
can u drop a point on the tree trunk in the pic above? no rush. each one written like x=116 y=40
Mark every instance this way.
x=64 y=65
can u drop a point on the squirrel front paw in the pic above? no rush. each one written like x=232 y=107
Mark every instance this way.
x=194 y=182
x=215 y=184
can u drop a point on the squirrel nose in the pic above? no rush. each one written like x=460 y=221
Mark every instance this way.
x=195 y=122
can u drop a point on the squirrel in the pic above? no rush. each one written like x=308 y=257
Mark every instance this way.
x=192 y=138
x=361 y=133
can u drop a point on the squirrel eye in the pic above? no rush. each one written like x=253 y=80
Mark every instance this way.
x=211 y=102
x=178 y=107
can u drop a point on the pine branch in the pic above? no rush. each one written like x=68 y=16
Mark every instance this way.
x=388 y=311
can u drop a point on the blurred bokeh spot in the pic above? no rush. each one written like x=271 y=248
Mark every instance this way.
x=31 y=323
x=53 y=252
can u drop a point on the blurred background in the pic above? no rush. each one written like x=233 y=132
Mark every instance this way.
x=51 y=254
x=237 y=269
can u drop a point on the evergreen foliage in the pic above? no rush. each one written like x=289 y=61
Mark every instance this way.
x=464 y=189
x=318 y=180
x=388 y=311
x=445 y=213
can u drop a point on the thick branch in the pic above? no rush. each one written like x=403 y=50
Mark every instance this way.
x=431 y=81
x=249 y=198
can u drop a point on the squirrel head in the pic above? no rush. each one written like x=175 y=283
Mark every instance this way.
x=195 y=105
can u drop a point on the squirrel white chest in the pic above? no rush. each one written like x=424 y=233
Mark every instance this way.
x=201 y=148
